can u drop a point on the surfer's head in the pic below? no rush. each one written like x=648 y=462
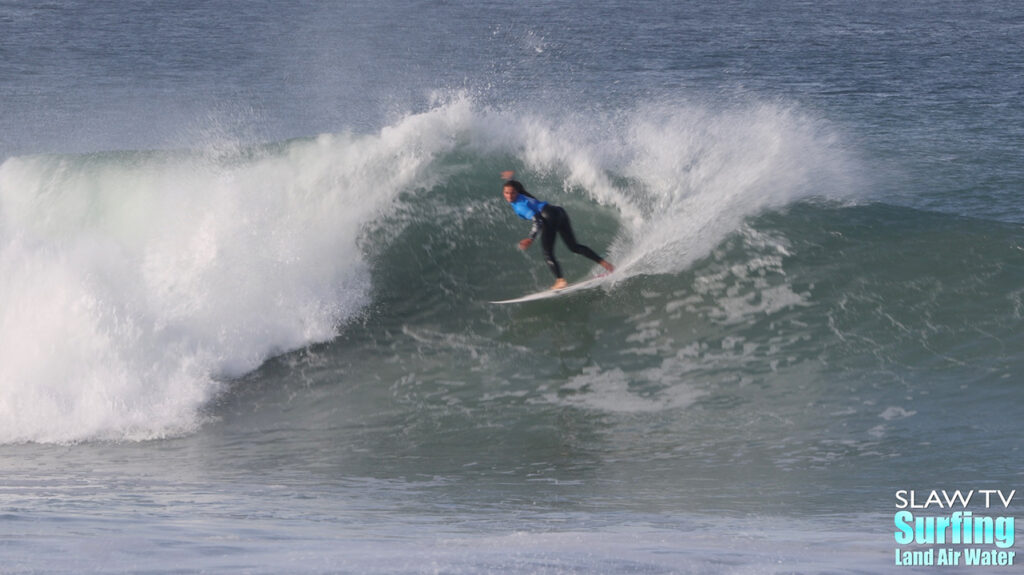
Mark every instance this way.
x=512 y=189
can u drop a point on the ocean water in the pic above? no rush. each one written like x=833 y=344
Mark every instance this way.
x=247 y=250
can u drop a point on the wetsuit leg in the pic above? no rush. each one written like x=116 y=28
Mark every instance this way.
x=565 y=229
x=547 y=240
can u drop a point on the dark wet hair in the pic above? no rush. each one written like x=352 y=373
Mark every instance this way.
x=519 y=188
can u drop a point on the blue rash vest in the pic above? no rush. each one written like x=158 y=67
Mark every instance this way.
x=529 y=209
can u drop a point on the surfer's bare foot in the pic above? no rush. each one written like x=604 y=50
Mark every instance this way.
x=607 y=266
x=560 y=283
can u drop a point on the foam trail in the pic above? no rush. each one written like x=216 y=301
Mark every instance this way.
x=133 y=283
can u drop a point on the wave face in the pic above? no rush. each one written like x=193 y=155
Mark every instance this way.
x=140 y=284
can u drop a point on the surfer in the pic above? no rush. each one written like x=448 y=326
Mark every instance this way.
x=548 y=220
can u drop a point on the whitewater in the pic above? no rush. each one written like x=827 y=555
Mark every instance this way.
x=246 y=258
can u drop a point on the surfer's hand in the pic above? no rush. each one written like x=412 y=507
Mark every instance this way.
x=507 y=175
x=524 y=244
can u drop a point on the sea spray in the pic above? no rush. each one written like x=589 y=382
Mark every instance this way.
x=683 y=175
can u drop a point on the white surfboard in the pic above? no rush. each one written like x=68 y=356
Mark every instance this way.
x=550 y=293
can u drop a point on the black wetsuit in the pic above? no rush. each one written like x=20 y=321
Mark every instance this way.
x=552 y=221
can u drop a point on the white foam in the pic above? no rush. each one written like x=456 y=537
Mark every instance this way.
x=892 y=413
x=132 y=284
